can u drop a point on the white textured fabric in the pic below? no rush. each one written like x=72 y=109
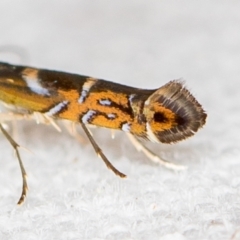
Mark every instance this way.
x=140 y=43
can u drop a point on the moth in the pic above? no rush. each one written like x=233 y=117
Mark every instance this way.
x=165 y=115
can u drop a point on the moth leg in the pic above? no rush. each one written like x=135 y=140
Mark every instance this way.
x=23 y=172
x=100 y=153
x=9 y=116
x=152 y=156
x=71 y=128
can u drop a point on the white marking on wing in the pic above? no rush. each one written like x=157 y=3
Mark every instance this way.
x=86 y=88
x=105 y=102
x=111 y=115
x=87 y=116
x=57 y=108
x=131 y=97
x=83 y=96
x=31 y=78
x=126 y=127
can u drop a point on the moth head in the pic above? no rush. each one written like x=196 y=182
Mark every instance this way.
x=172 y=114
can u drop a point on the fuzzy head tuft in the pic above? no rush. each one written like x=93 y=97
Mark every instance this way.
x=172 y=114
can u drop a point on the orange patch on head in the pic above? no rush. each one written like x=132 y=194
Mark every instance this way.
x=160 y=118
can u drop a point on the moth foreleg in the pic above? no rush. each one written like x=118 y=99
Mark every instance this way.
x=152 y=156
x=100 y=153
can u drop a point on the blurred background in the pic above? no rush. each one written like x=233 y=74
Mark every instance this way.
x=143 y=44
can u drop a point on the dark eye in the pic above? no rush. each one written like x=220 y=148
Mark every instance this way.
x=159 y=117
